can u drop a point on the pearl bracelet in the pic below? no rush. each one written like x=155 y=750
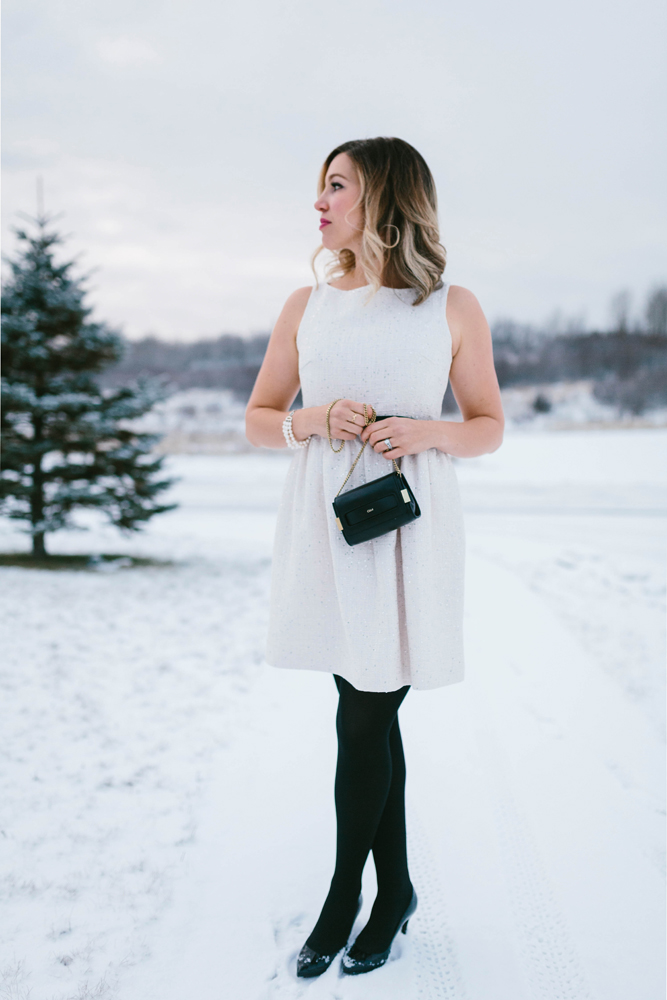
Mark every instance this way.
x=289 y=434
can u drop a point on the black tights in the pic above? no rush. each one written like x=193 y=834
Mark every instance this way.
x=370 y=814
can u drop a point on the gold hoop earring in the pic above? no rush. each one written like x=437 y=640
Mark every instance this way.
x=392 y=246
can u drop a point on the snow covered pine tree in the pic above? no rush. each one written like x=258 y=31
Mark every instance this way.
x=66 y=443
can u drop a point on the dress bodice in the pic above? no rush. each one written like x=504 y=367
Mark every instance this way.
x=379 y=349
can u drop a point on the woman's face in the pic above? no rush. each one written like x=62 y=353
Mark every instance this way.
x=340 y=227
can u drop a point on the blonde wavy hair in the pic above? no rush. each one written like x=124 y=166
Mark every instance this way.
x=400 y=236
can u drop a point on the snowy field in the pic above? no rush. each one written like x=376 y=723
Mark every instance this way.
x=167 y=821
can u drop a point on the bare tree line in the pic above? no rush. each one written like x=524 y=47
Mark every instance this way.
x=626 y=362
x=225 y=362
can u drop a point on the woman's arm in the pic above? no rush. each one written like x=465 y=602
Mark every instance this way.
x=475 y=386
x=278 y=383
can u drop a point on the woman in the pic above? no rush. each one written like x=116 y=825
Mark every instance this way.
x=381 y=337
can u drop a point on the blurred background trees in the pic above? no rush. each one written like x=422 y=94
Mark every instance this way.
x=656 y=312
x=626 y=363
x=66 y=441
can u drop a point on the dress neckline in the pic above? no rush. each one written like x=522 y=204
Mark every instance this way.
x=359 y=288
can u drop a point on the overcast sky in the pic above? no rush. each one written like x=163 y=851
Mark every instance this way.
x=182 y=140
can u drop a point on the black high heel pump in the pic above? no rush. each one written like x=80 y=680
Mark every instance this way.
x=310 y=963
x=355 y=961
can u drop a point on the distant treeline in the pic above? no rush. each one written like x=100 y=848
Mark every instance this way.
x=628 y=369
x=226 y=362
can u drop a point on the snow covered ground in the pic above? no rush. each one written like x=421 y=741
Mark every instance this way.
x=166 y=809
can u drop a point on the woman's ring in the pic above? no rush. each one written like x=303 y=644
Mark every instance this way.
x=354 y=417
x=388 y=444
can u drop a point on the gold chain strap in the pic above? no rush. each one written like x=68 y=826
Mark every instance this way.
x=367 y=420
x=342 y=444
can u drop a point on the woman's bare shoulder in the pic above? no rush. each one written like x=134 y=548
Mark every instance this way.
x=464 y=316
x=462 y=301
x=291 y=315
x=296 y=303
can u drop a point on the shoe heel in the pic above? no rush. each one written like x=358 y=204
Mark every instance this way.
x=405 y=927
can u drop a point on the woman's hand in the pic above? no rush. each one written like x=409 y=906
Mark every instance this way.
x=346 y=419
x=408 y=437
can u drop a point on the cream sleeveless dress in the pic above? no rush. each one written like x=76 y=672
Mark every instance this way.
x=387 y=612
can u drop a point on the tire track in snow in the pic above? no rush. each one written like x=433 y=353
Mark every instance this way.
x=438 y=974
x=551 y=963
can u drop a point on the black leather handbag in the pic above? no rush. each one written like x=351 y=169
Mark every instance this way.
x=375 y=508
